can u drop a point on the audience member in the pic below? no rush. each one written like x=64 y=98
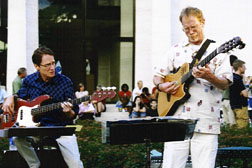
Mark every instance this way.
x=154 y=93
x=60 y=88
x=81 y=92
x=124 y=98
x=138 y=90
x=146 y=97
x=138 y=108
x=152 y=111
x=86 y=110
x=239 y=95
x=250 y=100
x=100 y=106
x=228 y=113
x=3 y=95
x=17 y=82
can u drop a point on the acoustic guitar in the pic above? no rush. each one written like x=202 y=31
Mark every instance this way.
x=167 y=103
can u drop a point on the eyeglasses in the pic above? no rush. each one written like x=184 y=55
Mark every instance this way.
x=48 y=65
x=187 y=29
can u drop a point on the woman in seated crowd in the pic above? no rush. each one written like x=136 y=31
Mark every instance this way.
x=146 y=97
x=100 y=105
x=86 y=110
x=138 y=108
x=81 y=92
x=124 y=102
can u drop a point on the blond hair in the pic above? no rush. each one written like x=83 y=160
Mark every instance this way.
x=192 y=11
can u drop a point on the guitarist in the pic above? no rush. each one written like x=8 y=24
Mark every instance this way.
x=205 y=99
x=60 y=88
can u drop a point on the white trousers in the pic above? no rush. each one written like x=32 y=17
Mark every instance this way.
x=67 y=144
x=203 y=149
x=228 y=113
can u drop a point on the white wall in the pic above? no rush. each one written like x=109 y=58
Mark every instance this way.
x=152 y=37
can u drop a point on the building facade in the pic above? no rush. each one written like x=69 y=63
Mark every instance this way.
x=107 y=42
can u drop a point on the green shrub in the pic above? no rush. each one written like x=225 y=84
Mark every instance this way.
x=96 y=154
x=234 y=137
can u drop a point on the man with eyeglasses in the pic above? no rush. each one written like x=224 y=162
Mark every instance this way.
x=60 y=88
x=205 y=90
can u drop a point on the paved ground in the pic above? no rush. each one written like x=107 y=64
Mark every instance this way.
x=112 y=113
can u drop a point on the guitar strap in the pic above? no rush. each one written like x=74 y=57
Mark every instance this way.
x=200 y=53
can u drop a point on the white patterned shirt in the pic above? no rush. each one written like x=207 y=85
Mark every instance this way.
x=205 y=101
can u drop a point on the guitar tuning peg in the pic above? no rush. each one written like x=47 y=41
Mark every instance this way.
x=113 y=88
x=104 y=88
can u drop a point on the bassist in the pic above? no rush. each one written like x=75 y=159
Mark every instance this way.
x=205 y=92
x=60 y=89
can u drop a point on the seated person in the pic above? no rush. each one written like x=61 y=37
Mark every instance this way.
x=60 y=88
x=154 y=93
x=124 y=98
x=81 y=92
x=100 y=105
x=86 y=110
x=138 y=108
x=3 y=95
x=146 y=97
x=152 y=111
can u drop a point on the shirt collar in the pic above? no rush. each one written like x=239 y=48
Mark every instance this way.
x=52 y=81
x=187 y=43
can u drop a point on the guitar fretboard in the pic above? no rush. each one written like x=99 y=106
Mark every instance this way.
x=202 y=63
x=54 y=106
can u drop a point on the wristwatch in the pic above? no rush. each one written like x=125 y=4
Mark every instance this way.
x=158 y=87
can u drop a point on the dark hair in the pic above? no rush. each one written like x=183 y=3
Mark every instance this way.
x=21 y=70
x=140 y=104
x=125 y=86
x=80 y=85
x=39 y=52
x=151 y=100
x=232 y=59
x=237 y=63
x=146 y=91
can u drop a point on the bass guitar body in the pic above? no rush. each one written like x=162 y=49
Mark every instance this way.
x=22 y=113
x=168 y=103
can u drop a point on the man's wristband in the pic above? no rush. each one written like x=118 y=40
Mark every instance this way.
x=158 y=87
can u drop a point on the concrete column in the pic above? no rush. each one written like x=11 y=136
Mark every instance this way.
x=152 y=37
x=22 y=37
x=126 y=48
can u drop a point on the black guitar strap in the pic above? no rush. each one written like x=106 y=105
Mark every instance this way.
x=200 y=53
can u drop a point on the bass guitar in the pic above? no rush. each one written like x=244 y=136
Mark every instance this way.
x=25 y=111
x=167 y=103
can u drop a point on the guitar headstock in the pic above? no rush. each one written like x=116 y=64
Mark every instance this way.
x=231 y=44
x=103 y=93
